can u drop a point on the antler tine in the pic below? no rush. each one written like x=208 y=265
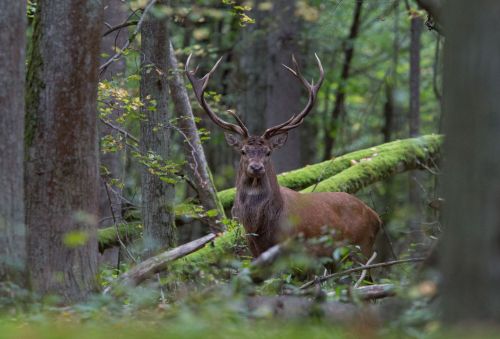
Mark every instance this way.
x=239 y=121
x=199 y=86
x=297 y=119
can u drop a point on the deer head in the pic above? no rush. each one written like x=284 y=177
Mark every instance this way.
x=255 y=150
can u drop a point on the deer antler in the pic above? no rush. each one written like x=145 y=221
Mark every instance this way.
x=297 y=120
x=199 y=86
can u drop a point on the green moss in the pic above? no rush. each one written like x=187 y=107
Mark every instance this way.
x=380 y=163
x=217 y=251
x=107 y=236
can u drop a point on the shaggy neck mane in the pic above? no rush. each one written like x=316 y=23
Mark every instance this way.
x=258 y=200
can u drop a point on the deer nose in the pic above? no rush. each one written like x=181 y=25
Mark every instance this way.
x=256 y=167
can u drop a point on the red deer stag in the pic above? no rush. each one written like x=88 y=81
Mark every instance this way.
x=270 y=213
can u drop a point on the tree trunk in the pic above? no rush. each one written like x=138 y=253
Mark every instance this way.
x=12 y=76
x=331 y=130
x=284 y=92
x=414 y=113
x=61 y=142
x=415 y=199
x=197 y=167
x=253 y=56
x=470 y=247
x=114 y=14
x=391 y=85
x=157 y=196
x=110 y=202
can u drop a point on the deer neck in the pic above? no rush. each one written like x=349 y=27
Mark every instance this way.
x=258 y=202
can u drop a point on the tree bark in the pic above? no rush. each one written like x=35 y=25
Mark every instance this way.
x=197 y=167
x=61 y=148
x=331 y=130
x=12 y=82
x=284 y=100
x=114 y=15
x=110 y=201
x=470 y=247
x=415 y=46
x=157 y=196
x=415 y=199
x=252 y=79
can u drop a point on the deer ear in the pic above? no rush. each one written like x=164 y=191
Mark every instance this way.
x=233 y=140
x=278 y=140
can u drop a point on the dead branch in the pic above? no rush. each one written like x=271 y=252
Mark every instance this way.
x=120 y=26
x=373 y=292
x=149 y=267
x=319 y=280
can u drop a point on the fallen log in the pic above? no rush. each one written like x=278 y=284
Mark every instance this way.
x=158 y=263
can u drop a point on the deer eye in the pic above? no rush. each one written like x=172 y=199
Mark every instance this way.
x=268 y=153
x=243 y=152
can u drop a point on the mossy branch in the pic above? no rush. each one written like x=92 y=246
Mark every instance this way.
x=111 y=236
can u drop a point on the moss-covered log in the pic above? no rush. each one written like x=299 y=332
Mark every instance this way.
x=381 y=162
x=347 y=173
x=111 y=236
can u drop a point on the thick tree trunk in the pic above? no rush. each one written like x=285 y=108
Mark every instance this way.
x=253 y=56
x=197 y=167
x=12 y=76
x=331 y=130
x=157 y=196
x=470 y=248
x=61 y=160
x=269 y=94
x=284 y=92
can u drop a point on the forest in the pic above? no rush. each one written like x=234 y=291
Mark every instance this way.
x=249 y=168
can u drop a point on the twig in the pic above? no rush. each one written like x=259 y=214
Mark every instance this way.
x=357 y=269
x=131 y=38
x=116 y=225
x=120 y=26
x=119 y=129
x=363 y=274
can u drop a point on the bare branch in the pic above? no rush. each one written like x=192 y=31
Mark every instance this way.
x=119 y=53
x=120 y=26
x=149 y=267
x=363 y=273
x=357 y=269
